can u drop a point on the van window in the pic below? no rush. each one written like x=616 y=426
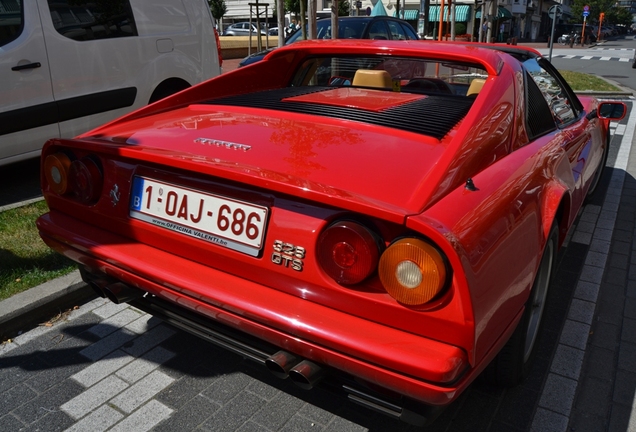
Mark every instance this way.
x=10 y=20
x=90 y=20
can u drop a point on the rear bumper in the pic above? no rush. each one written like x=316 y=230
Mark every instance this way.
x=425 y=370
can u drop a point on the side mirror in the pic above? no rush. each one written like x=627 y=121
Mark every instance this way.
x=609 y=111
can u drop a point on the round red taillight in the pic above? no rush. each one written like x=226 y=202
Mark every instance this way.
x=85 y=178
x=348 y=252
x=56 y=167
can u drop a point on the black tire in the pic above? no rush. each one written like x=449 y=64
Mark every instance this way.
x=599 y=172
x=513 y=363
x=168 y=88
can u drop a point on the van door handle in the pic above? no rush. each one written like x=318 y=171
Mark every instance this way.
x=26 y=66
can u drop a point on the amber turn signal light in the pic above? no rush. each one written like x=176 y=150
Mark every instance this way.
x=56 y=167
x=412 y=271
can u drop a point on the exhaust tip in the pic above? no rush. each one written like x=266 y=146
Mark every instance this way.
x=94 y=281
x=306 y=374
x=281 y=363
x=120 y=293
x=97 y=289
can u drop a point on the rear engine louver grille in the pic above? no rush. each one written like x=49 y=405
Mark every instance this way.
x=433 y=115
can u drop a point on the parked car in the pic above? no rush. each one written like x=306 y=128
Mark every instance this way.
x=350 y=27
x=69 y=66
x=383 y=216
x=242 y=29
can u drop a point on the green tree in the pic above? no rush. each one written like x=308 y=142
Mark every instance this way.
x=344 y=7
x=218 y=8
x=613 y=14
x=292 y=6
x=620 y=15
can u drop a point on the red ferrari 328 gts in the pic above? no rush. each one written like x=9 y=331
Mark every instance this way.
x=384 y=215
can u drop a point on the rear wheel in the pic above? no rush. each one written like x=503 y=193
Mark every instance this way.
x=514 y=361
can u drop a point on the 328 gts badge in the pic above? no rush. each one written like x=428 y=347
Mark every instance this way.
x=288 y=255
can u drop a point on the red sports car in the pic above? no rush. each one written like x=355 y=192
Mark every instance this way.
x=382 y=215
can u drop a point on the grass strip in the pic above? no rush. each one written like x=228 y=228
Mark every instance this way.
x=25 y=260
x=584 y=82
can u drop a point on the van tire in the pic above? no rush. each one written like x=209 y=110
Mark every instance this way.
x=167 y=88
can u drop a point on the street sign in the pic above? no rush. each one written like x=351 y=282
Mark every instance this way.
x=555 y=11
x=586 y=8
x=586 y=13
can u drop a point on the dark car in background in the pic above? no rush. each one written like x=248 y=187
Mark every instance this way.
x=351 y=27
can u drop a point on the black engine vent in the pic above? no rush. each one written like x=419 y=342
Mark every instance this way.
x=433 y=115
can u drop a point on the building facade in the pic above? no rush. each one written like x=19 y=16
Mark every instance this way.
x=503 y=19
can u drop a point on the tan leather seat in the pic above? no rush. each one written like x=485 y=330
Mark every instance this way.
x=372 y=78
x=475 y=86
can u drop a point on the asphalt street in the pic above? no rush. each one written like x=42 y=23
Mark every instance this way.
x=100 y=366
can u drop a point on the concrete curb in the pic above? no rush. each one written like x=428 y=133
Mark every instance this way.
x=20 y=204
x=27 y=309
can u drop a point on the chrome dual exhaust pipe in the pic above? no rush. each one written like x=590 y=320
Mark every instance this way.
x=281 y=363
x=122 y=293
x=304 y=373
x=105 y=287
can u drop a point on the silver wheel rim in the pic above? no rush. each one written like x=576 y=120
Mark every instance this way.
x=537 y=302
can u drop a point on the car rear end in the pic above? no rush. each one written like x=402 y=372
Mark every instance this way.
x=293 y=252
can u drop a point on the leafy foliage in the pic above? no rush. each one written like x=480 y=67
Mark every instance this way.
x=344 y=7
x=613 y=14
x=218 y=8
x=293 y=6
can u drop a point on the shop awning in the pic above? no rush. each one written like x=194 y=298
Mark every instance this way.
x=409 y=14
x=502 y=13
x=462 y=13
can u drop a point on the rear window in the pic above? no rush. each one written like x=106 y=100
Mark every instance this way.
x=405 y=74
x=89 y=20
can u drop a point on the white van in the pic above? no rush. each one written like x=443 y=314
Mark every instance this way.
x=67 y=66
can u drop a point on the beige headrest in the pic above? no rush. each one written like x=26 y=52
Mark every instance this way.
x=475 y=86
x=372 y=78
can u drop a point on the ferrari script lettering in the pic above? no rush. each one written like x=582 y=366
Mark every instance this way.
x=288 y=255
x=224 y=144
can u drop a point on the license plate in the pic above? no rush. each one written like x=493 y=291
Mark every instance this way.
x=220 y=220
